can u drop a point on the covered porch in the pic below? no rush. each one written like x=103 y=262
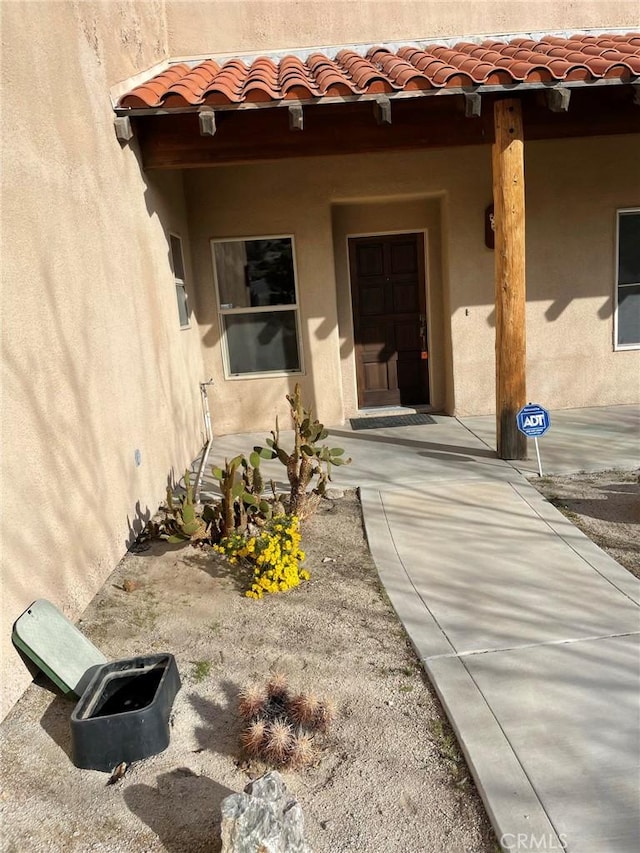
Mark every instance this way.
x=394 y=180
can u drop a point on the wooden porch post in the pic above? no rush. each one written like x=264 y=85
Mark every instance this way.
x=508 y=201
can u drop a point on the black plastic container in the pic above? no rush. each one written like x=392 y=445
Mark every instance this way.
x=123 y=715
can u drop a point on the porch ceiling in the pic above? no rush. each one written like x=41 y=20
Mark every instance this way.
x=411 y=69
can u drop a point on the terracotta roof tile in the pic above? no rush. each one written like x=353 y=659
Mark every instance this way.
x=550 y=59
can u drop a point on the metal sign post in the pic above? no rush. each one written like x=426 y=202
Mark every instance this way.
x=533 y=420
x=208 y=435
x=535 y=441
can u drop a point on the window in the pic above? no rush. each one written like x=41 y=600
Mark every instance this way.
x=256 y=285
x=177 y=262
x=628 y=280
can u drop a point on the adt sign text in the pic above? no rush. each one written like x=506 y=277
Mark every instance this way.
x=533 y=420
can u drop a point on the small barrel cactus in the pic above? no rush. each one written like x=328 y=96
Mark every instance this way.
x=280 y=728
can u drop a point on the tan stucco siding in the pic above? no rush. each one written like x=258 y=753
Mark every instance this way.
x=95 y=365
x=573 y=190
x=375 y=192
x=258 y=202
x=200 y=28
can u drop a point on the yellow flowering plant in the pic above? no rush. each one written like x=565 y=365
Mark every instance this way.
x=273 y=555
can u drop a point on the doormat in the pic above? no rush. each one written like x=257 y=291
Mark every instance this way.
x=391 y=421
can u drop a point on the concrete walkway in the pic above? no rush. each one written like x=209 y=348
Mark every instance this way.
x=528 y=631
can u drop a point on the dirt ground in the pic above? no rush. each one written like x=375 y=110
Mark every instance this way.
x=390 y=778
x=605 y=506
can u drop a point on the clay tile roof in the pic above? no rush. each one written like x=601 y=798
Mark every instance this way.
x=523 y=60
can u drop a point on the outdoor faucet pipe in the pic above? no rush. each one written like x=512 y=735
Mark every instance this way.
x=207 y=429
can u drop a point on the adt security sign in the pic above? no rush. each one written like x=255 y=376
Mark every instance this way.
x=533 y=420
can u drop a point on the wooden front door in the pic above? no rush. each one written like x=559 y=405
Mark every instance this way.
x=389 y=319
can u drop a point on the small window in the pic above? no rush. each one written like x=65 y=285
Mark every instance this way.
x=177 y=262
x=628 y=280
x=257 y=296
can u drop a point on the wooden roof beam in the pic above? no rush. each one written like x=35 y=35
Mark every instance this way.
x=472 y=105
x=382 y=110
x=207 y=120
x=558 y=99
x=173 y=141
x=296 y=117
x=124 y=131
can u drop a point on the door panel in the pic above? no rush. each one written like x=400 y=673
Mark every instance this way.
x=405 y=299
x=389 y=316
x=373 y=300
x=376 y=375
x=402 y=256
x=370 y=260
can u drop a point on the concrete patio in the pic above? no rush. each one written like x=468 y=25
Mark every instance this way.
x=528 y=631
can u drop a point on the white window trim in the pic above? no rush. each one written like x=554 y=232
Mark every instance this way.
x=616 y=346
x=259 y=309
x=180 y=282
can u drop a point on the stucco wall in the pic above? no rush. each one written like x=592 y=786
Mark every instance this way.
x=259 y=202
x=198 y=28
x=95 y=365
x=573 y=190
x=298 y=197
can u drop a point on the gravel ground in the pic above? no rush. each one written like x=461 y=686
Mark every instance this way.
x=605 y=506
x=390 y=777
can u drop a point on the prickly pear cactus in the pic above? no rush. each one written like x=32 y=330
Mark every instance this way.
x=186 y=522
x=308 y=461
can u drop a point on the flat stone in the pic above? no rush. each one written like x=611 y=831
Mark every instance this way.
x=334 y=494
x=263 y=819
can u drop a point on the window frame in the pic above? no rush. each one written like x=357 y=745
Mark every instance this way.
x=180 y=282
x=258 y=309
x=618 y=347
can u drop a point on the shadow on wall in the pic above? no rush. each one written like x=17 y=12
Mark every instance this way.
x=138 y=523
x=158 y=187
x=568 y=236
x=66 y=468
x=265 y=394
x=82 y=411
x=557 y=308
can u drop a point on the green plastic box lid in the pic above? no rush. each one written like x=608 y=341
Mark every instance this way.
x=56 y=646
